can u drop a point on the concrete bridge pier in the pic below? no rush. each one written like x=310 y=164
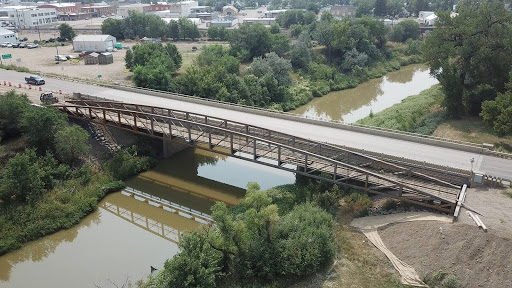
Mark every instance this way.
x=174 y=146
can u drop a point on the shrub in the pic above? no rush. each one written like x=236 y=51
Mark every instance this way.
x=356 y=204
x=441 y=279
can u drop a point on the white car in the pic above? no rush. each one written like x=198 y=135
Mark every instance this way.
x=6 y=44
x=60 y=58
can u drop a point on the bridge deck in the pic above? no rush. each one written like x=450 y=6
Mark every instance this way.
x=318 y=160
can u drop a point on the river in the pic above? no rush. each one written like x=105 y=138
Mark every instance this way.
x=374 y=96
x=119 y=242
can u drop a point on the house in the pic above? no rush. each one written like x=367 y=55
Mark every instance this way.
x=91 y=59
x=7 y=36
x=343 y=11
x=229 y=11
x=105 y=58
x=95 y=43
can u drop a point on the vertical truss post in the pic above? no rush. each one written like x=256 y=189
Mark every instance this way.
x=306 y=163
x=152 y=125
x=231 y=143
x=119 y=118
x=210 y=140
x=206 y=120
x=246 y=133
x=135 y=120
x=279 y=156
x=366 y=182
x=104 y=115
x=401 y=190
x=189 y=132
x=335 y=171
x=170 y=129
x=254 y=149
x=90 y=112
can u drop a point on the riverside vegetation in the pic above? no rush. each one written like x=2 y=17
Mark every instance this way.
x=46 y=182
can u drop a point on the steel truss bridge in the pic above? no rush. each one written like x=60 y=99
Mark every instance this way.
x=432 y=188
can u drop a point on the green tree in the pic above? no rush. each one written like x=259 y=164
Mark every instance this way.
x=113 y=27
x=174 y=30
x=275 y=28
x=274 y=65
x=280 y=43
x=21 y=179
x=71 y=144
x=406 y=29
x=213 y=32
x=12 y=105
x=155 y=27
x=469 y=52
x=364 y=8
x=380 y=8
x=250 y=41
x=40 y=126
x=311 y=228
x=394 y=7
x=198 y=265
x=66 y=31
x=187 y=29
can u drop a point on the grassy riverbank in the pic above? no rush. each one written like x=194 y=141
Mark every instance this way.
x=424 y=115
x=420 y=113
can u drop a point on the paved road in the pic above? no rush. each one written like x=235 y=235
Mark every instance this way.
x=421 y=152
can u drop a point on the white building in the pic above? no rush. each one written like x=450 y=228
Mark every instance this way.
x=7 y=36
x=95 y=43
x=29 y=17
x=182 y=9
x=123 y=10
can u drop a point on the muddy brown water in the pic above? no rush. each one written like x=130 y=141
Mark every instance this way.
x=119 y=242
x=373 y=96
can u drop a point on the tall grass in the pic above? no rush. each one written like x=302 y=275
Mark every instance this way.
x=419 y=113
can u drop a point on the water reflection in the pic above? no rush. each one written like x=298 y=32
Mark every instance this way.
x=197 y=179
x=373 y=96
x=124 y=237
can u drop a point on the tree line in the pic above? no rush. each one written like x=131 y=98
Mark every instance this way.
x=139 y=25
x=351 y=48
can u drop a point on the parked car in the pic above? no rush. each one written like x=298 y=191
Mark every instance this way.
x=22 y=39
x=22 y=45
x=84 y=53
x=34 y=79
x=5 y=44
x=60 y=58
x=32 y=45
x=16 y=45
x=71 y=57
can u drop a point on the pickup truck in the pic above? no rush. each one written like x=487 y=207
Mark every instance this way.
x=34 y=79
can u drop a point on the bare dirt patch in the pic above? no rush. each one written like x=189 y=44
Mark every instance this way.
x=42 y=60
x=477 y=258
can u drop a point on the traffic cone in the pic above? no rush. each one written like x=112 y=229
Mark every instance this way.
x=29 y=86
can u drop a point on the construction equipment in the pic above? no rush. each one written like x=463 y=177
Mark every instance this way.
x=48 y=98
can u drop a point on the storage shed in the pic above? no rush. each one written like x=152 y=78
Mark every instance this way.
x=105 y=58
x=7 y=36
x=91 y=59
x=95 y=43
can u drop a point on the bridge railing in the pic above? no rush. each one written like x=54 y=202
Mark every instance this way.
x=230 y=141
x=433 y=140
x=349 y=155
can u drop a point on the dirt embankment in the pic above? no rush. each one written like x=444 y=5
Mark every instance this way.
x=477 y=258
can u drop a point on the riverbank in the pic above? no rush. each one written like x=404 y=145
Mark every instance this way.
x=423 y=114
